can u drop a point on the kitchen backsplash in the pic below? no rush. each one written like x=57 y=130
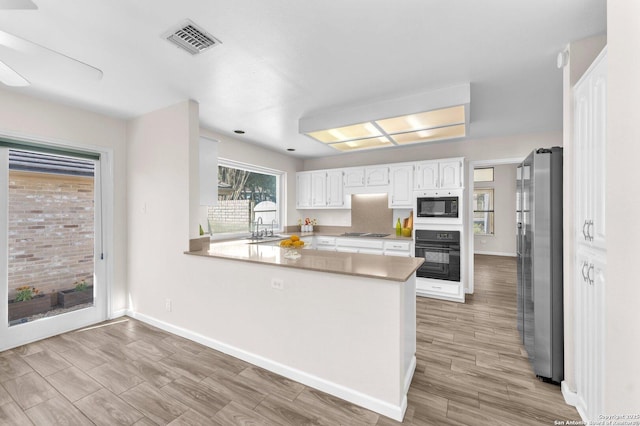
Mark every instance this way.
x=371 y=213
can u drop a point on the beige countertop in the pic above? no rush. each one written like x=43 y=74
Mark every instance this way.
x=393 y=268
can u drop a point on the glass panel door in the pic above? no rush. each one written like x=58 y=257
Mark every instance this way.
x=51 y=243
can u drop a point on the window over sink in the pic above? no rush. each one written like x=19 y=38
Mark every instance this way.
x=247 y=194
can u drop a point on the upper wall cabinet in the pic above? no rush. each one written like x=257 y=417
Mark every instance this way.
x=401 y=189
x=332 y=188
x=354 y=177
x=320 y=189
x=445 y=174
x=377 y=176
x=303 y=190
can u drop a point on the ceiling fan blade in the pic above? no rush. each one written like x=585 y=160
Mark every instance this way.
x=17 y=4
x=42 y=63
x=11 y=78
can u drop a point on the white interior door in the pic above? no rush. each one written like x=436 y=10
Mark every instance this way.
x=53 y=275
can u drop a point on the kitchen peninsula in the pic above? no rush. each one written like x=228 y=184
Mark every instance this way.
x=343 y=323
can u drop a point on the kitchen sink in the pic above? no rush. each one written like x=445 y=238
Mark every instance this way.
x=265 y=238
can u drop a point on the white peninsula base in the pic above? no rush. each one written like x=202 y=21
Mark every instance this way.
x=351 y=336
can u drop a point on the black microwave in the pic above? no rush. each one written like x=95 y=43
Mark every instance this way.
x=437 y=207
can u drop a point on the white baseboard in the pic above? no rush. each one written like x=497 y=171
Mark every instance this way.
x=495 y=253
x=395 y=412
x=571 y=398
x=119 y=313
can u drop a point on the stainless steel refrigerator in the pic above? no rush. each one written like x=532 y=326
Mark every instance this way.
x=539 y=251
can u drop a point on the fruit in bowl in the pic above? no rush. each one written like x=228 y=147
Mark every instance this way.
x=292 y=242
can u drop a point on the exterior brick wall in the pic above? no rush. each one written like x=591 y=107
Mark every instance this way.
x=231 y=212
x=51 y=231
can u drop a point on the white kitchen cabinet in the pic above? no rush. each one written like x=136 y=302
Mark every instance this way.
x=590 y=97
x=590 y=275
x=335 y=188
x=398 y=248
x=377 y=176
x=354 y=177
x=442 y=174
x=451 y=174
x=589 y=137
x=427 y=175
x=360 y=245
x=324 y=243
x=303 y=190
x=401 y=186
x=320 y=189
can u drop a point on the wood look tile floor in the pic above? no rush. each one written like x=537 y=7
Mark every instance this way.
x=471 y=370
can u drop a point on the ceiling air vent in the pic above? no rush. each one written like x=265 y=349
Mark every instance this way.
x=191 y=38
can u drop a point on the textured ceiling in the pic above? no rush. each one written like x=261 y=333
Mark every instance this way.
x=285 y=59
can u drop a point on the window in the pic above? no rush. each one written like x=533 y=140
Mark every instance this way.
x=247 y=195
x=483 y=214
x=484 y=174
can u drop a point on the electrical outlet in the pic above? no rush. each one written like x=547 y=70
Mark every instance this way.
x=277 y=284
x=167 y=305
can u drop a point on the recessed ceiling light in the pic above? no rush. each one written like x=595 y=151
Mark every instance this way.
x=291 y=149
x=240 y=132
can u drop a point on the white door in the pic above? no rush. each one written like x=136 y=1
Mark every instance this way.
x=51 y=245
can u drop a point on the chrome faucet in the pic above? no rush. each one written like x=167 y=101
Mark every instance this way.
x=273 y=225
x=258 y=223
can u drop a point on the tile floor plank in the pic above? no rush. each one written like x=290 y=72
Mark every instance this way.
x=73 y=383
x=105 y=408
x=30 y=390
x=154 y=404
x=57 y=411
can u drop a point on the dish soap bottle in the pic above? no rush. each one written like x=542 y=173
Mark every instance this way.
x=398 y=228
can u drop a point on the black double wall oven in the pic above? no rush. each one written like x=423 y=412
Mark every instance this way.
x=441 y=252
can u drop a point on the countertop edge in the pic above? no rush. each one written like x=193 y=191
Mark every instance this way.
x=203 y=253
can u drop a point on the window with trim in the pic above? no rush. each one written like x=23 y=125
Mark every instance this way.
x=483 y=213
x=247 y=195
x=483 y=174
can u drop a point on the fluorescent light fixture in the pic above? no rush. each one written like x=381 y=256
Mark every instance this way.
x=425 y=117
x=379 y=142
x=357 y=131
x=430 y=135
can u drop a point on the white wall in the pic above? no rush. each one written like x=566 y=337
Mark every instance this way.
x=31 y=118
x=503 y=242
x=622 y=293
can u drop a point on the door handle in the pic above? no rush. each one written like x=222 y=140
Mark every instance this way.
x=590 y=229
x=584 y=230
x=585 y=275
x=590 y=275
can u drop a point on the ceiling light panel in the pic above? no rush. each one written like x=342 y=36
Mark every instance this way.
x=430 y=135
x=378 y=142
x=423 y=120
x=347 y=133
